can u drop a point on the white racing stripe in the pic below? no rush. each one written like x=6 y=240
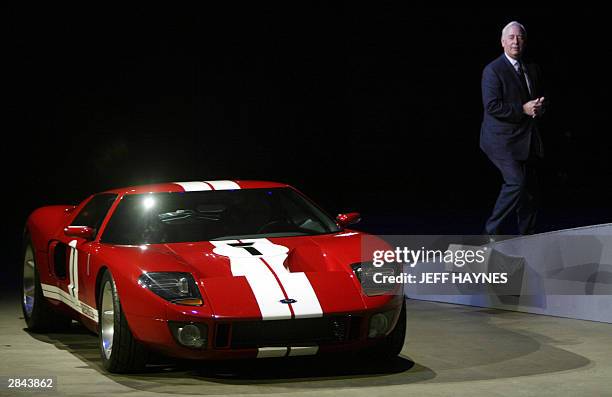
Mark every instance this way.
x=263 y=283
x=224 y=185
x=303 y=350
x=208 y=185
x=194 y=186
x=250 y=258
x=297 y=286
x=73 y=269
x=290 y=351
x=71 y=298
x=266 y=352
x=53 y=292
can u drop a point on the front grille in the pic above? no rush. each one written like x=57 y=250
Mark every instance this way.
x=323 y=330
x=222 y=335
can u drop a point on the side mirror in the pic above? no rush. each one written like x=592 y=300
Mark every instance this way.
x=350 y=218
x=85 y=232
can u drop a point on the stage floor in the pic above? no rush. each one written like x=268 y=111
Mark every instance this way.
x=449 y=350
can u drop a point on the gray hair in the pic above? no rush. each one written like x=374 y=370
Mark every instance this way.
x=513 y=23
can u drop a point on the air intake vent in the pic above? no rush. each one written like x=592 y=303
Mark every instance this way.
x=247 y=334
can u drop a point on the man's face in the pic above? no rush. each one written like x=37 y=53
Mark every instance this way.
x=514 y=42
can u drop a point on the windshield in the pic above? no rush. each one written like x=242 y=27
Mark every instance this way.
x=214 y=215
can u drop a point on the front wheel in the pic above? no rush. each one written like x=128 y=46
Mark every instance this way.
x=120 y=351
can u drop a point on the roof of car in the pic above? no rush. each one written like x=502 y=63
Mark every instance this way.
x=179 y=187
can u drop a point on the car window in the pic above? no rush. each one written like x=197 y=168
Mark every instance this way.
x=214 y=215
x=94 y=211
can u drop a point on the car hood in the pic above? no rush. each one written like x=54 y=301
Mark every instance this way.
x=269 y=278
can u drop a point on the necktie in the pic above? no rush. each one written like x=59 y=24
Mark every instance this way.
x=521 y=73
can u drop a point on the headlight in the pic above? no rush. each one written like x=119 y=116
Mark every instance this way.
x=366 y=273
x=179 y=288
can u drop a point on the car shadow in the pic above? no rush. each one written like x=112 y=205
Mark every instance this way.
x=446 y=343
x=165 y=374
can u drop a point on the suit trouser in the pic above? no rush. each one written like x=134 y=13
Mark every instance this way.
x=517 y=195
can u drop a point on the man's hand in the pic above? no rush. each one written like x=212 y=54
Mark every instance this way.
x=534 y=107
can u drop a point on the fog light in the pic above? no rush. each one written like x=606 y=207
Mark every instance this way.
x=379 y=324
x=190 y=335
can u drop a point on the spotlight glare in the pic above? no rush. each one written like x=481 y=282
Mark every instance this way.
x=149 y=202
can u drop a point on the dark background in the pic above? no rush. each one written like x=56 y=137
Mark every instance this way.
x=375 y=109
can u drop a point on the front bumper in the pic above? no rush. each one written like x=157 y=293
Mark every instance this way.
x=241 y=338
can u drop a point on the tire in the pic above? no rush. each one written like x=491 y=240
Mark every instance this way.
x=120 y=352
x=393 y=343
x=37 y=312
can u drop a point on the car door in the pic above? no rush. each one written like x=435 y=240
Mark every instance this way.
x=69 y=257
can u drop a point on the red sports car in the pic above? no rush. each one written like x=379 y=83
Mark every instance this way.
x=205 y=270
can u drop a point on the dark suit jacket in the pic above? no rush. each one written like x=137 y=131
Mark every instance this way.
x=506 y=132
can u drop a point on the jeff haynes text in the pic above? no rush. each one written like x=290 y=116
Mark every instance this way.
x=442 y=278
